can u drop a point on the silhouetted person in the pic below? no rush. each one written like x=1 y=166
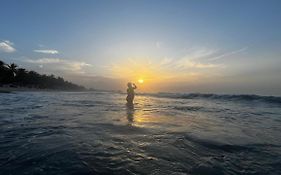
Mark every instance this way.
x=130 y=112
x=131 y=92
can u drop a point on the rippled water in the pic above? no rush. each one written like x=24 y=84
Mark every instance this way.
x=96 y=133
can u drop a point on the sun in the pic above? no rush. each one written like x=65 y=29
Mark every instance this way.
x=140 y=81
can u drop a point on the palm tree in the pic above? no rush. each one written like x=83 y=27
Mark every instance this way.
x=21 y=71
x=13 y=68
x=11 y=74
x=1 y=71
x=2 y=64
x=4 y=72
x=21 y=75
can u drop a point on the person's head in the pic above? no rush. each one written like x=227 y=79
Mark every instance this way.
x=129 y=85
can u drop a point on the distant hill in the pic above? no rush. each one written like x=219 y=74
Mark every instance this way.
x=13 y=76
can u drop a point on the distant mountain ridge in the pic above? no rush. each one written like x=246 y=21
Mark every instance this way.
x=13 y=76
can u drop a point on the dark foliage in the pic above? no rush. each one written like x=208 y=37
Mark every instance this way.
x=19 y=77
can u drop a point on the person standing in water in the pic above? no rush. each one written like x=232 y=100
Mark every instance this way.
x=131 y=92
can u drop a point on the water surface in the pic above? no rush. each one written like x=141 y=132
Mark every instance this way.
x=97 y=133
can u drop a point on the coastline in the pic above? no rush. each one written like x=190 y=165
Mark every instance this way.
x=25 y=89
x=20 y=89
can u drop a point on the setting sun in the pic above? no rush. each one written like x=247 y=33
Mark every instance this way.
x=140 y=81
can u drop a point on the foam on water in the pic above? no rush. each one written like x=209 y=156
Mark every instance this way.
x=96 y=133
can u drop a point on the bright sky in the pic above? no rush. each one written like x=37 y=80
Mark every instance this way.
x=177 y=45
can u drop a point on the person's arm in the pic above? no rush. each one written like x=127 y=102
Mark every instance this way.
x=135 y=87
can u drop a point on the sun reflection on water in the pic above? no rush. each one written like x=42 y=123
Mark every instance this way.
x=144 y=114
x=149 y=112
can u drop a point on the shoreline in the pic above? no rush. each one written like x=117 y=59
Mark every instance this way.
x=25 y=89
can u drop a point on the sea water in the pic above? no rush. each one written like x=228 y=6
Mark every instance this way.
x=97 y=133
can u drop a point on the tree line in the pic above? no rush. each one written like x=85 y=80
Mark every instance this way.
x=13 y=76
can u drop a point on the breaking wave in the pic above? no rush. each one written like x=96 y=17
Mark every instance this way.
x=267 y=99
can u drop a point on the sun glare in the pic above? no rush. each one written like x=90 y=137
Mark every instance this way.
x=140 y=81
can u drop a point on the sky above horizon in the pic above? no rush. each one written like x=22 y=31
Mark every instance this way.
x=218 y=46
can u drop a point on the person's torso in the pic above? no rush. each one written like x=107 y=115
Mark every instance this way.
x=130 y=91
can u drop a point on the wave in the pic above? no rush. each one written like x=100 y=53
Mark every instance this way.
x=242 y=97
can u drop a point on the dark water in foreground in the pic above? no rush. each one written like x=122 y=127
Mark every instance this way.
x=96 y=133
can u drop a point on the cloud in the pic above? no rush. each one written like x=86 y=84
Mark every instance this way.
x=198 y=53
x=191 y=60
x=7 y=46
x=166 y=61
x=47 y=51
x=194 y=64
x=45 y=60
x=75 y=66
x=158 y=44
x=60 y=64
x=228 y=54
x=199 y=58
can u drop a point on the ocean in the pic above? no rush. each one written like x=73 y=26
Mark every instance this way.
x=64 y=133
